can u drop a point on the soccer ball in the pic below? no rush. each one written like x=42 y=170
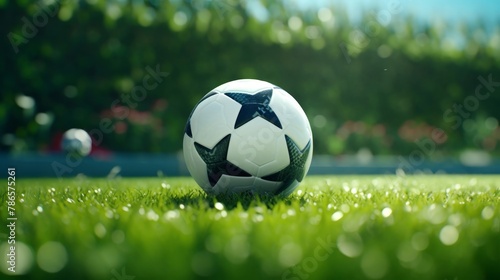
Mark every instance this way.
x=76 y=141
x=248 y=136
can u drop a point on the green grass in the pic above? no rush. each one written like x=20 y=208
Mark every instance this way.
x=331 y=227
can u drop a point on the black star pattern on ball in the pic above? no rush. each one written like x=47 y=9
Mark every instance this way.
x=187 y=129
x=252 y=106
x=217 y=163
x=296 y=169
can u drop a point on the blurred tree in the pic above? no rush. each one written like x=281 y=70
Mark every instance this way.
x=77 y=63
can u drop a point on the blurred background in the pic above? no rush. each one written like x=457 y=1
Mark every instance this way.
x=413 y=85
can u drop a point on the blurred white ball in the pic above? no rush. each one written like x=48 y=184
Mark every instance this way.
x=76 y=141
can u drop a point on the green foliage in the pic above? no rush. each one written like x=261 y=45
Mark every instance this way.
x=84 y=57
x=362 y=227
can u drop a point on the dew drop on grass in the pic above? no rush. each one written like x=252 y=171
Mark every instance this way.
x=351 y=244
x=455 y=219
x=152 y=216
x=237 y=249
x=259 y=210
x=435 y=214
x=219 y=206
x=100 y=230
x=109 y=214
x=345 y=208
x=39 y=208
x=223 y=213
x=487 y=213
x=448 y=235
x=386 y=212
x=407 y=207
x=419 y=241
x=353 y=224
x=406 y=253
x=170 y=215
x=337 y=216
x=257 y=218
x=52 y=257
x=290 y=254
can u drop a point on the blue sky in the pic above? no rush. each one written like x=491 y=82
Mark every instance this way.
x=428 y=10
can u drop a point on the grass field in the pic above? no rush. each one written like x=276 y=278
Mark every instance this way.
x=331 y=227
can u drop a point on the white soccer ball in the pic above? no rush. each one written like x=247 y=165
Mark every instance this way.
x=248 y=136
x=76 y=141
